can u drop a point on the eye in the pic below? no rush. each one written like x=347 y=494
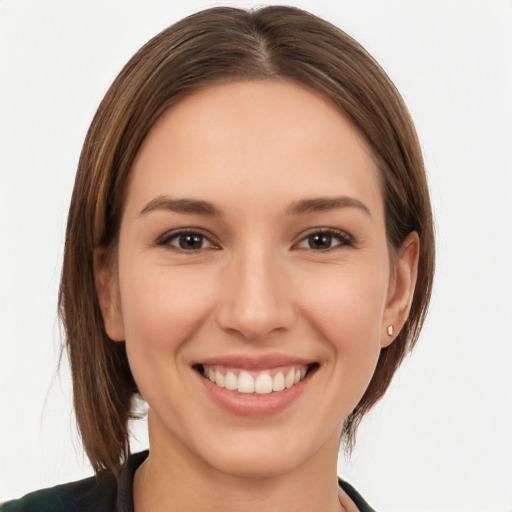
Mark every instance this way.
x=323 y=240
x=186 y=241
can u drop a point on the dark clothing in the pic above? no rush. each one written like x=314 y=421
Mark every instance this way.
x=105 y=494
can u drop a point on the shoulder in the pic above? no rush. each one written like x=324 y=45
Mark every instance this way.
x=88 y=495
x=102 y=493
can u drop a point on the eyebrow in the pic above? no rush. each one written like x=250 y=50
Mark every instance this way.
x=195 y=206
x=181 y=206
x=319 y=204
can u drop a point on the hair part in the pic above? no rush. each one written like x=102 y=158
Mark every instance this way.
x=214 y=46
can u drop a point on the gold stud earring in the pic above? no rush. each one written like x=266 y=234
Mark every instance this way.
x=391 y=330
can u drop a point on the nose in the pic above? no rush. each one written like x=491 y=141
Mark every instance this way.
x=256 y=300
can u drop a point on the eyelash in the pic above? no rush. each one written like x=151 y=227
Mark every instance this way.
x=166 y=239
x=343 y=238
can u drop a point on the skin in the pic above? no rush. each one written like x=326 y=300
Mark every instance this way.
x=255 y=285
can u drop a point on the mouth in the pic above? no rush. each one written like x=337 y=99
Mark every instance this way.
x=255 y=386
x=264 y=381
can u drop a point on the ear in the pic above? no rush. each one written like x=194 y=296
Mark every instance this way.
x=401 y=288
x=107 y=290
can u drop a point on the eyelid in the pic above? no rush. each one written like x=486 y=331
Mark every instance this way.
x=163 y=240
x=346 y=239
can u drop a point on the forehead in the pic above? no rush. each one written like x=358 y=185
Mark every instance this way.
x=251 y=137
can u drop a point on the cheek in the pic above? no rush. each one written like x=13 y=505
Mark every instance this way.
x=347 y=305
x=346 y=308
x=161 y=308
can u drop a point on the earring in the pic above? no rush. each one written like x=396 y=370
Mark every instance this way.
x=390 y=330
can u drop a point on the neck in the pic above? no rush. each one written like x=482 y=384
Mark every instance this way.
x=172 y=478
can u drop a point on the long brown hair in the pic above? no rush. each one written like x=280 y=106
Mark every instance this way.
x=212 y=46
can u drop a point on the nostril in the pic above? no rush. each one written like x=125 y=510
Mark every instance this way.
x=256 y=308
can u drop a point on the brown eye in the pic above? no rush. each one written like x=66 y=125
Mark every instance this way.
x=325 y=240
x=320 y=241
x=187 y=241
x=190 y=241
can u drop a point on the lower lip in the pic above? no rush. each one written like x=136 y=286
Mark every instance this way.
x=253 y=404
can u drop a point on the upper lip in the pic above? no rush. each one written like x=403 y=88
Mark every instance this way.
x=247 y=362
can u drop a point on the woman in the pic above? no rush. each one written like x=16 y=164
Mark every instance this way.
x=250 y=248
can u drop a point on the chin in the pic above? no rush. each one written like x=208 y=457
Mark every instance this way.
x=266 y=453
x=256 y=461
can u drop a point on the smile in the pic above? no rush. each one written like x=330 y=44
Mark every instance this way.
x=261 y=382
x=255 y=386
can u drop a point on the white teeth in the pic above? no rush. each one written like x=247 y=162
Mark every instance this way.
x=278 y=382
x=263 y=384
x=219 y=379
x=245 y=383
x=231 y=382
x=288 y=380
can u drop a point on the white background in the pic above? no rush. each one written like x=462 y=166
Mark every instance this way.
x=441 y=440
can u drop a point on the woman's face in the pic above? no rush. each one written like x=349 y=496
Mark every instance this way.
x=253 y=250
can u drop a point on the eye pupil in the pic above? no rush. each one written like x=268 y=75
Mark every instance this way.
x=190 y=241
x=320 y=241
